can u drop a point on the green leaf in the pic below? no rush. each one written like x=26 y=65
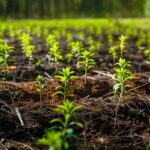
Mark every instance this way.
x=56 y=120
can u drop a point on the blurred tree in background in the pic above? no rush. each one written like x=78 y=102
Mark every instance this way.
x=73 y=8
x=147 y=8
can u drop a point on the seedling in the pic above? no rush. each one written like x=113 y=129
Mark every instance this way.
x=123 y=75
x=87 y=62
x=55 y=51
x=110 y=38
x=56 y=54
x=5 y=51
x=28 y=48
x=38 y=63
x=65 y=76
x=95 y=47
x=147 y=54
x=114 y=53
x=25 y=40
x=51 y=39
x=63 y=130
x=54 y=140
x=141 y=40
x=76 y=49
x=40 y=87
x=122 y=45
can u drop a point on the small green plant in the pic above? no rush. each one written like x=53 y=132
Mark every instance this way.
x=58 y=136
x=51 y=39
x=95 y=47
x=38 y=62
x=5 y=51
x=56 y=54
x=122 y=45
x=123 y=75
x=54 y=140
x=28 y=48
x=75 y=52
x=65 y=76
x=141 y=40
x=40 y=87
x=55 y=51
x=147 y=54
x=25 y=39
x=86 y=62
x=110 y=38
x=114 y=53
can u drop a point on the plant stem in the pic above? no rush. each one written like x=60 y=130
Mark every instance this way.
x=41 y=101
x=122 y=91
x=65 y=90
x=85 y=79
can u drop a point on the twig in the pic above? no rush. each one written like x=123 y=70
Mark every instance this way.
x=24 y=145
x=19 y=116
x=137 y=87
x=108 y=74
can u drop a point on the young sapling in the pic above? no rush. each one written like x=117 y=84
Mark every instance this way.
x=40 y=87
x=5 y=51
x=55 y=51
x=66 y=75
x=57 y=137
x=147 y=54
x=87 y=62
x=114 y=53
x=123 y=74
x=76 y=49
x=28 y=48
x=122 y=45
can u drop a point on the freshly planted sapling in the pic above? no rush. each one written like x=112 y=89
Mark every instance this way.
x=122 y=45
x=56 y=54
x=69 y=37
x=28 y=48
x=114 y=53
x=93 y=47
x=66 y=75
x=40 y=87
x=63 y=127
x=53 y=139
x=51 y=39
x=55 y=51
x=76 y=49
x=38 y=62
x=25 y=40
x=141 y=40
x=12 y=33
x=5 y=51
x=123 y=74
x=87 y=62
x=147 y=54
x=110 y=38
x=69 y=116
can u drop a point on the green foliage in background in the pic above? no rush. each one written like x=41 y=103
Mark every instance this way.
x=73 y=8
